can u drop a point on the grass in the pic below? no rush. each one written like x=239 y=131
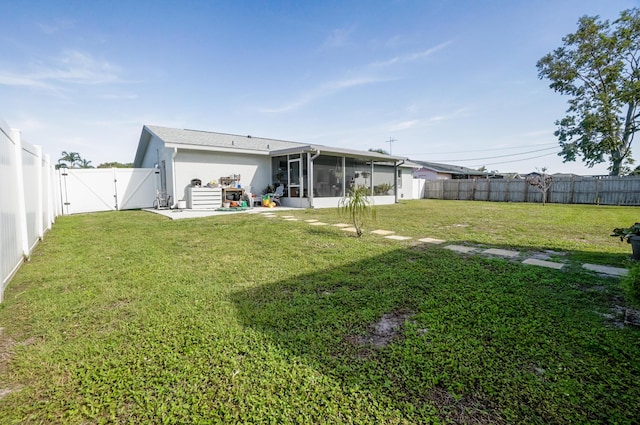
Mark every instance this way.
x=127 y=317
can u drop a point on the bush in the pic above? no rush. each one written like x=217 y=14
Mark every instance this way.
x=631 y=284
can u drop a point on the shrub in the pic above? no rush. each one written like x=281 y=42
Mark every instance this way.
x=631 y=284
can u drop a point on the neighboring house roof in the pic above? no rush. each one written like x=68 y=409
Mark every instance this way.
x=205 y=140
x=449 y=169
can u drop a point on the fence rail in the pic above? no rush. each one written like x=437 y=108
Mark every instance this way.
x=30 y=200
x=604 y=190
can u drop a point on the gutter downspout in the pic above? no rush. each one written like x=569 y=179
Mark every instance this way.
x=310 y=167
x=395 y=178
x=173 y=174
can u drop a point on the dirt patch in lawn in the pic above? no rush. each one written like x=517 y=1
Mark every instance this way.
x=384 y=331
x=6 y=352
x=462 y=410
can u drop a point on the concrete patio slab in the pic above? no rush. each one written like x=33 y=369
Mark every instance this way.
x=397 y=237
x=460 y=248
x=431 y=240
x=318 y=223
x=543 y=263
x=608 y=270
x=501 y=252
x=383 y=232
x=342 y=225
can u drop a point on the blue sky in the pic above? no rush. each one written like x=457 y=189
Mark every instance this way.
x=450 y=81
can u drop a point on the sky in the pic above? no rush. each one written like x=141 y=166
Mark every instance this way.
x=451 y=81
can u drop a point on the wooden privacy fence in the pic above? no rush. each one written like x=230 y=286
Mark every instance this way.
x=604 y=190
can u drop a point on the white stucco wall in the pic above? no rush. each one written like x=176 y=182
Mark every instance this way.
x=405 y=189
x=254 y=170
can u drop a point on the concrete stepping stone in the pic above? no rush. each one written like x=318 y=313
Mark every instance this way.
x=501 y=252
x=397 y=237
x=383 y=232
x=460 y=248
x=431 y=240
x=349 y=229
x=288 y=216
x=342 y=225
x=291 y=219
x=608 y=270
x=318 y=223
x=311 y=220
x=543 y=263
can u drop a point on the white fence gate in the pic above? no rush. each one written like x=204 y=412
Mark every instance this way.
x=107 y=189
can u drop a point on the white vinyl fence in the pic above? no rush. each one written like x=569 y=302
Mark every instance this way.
x=29 y=200
x=107 y=189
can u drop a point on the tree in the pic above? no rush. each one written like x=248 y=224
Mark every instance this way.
x=83 y=163
x=599 y=67
x=358 y=206
x=68 y=159
x=378 y=150
x=542 y=182
x=116 y=164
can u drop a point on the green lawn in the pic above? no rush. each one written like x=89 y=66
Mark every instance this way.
x=128 y=317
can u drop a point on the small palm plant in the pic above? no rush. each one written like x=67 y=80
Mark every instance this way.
x=357 y=204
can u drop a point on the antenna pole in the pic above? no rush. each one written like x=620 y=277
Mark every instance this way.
x=391 y=140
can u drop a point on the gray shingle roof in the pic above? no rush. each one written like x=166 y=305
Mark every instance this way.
x=450 y=169
x=175 y=136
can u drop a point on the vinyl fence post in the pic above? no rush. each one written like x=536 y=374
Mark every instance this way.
x=21 y=217
x=40 y=179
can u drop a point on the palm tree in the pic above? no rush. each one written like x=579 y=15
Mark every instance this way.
x=358 y=206
x=83 y=163
x=71 y=158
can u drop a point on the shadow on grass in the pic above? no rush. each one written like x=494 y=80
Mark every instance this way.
x=468 y=339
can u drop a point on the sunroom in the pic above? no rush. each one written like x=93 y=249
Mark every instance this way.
x=318 y=177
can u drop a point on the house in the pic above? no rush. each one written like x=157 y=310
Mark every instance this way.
x=313 y=176
x=435 y=171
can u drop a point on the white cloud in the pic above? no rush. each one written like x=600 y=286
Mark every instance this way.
x=56 y=25
x=72 y=67
x=339 y=37
x=410 y=57
x=324 y=90
x=404 y=125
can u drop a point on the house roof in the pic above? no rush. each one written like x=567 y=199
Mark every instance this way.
x=196 y=139
x=449 y=169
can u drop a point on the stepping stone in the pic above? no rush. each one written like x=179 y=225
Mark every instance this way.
x=268 y=214
x=431 y=240
x=349 y=229
x=291 y=219
x=288 y=216
x=608 y=270
x=311 y=220
x=383 y=232
x=543 y=263
x=501 y=252
x=397 y=237
x=342 y=225
x=460 y=248
x=318 y=223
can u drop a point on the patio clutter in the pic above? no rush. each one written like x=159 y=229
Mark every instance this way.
x=233 y=195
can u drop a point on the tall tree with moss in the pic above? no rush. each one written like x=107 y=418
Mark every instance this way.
x=598 y=66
